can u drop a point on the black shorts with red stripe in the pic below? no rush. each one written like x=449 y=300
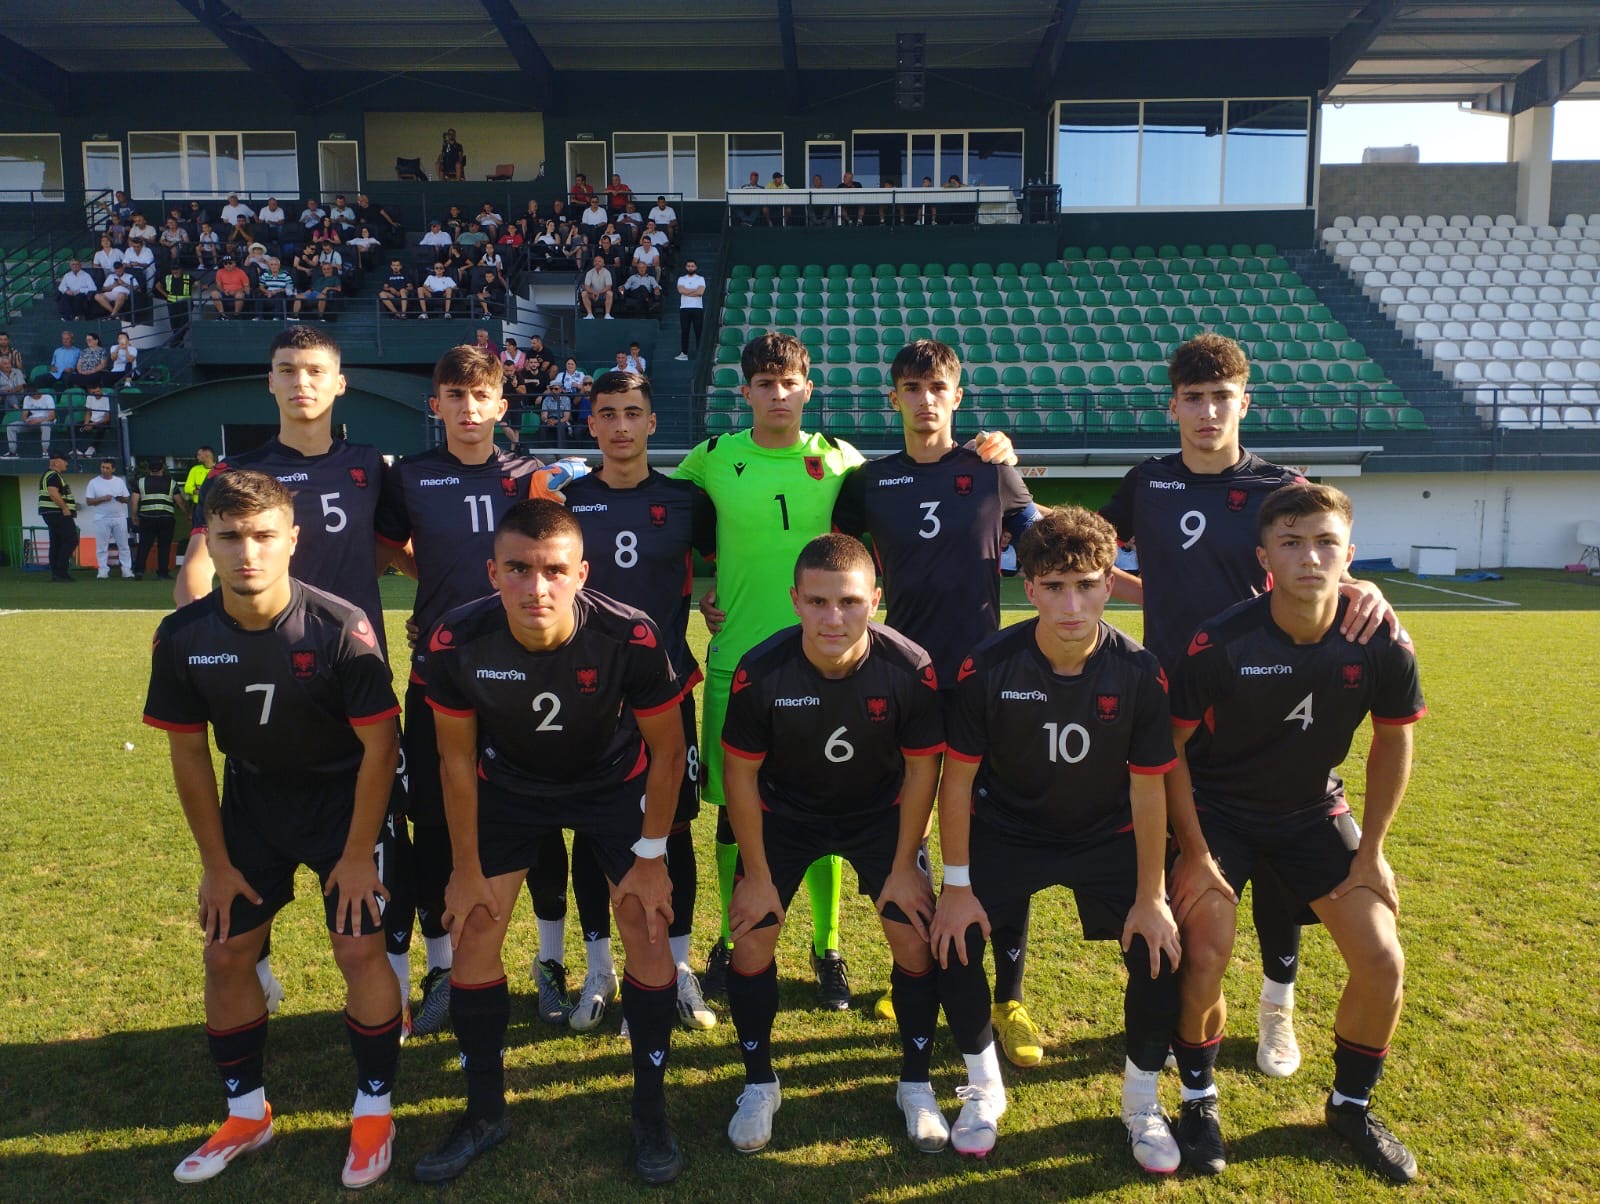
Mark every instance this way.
x=868 y=842
x=511 y=826
x=1101 y=869
x=1308 y=854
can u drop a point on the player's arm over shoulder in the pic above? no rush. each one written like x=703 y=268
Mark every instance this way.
x=694 y=465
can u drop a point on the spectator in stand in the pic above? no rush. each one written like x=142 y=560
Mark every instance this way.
x=366 y=247
x=455 y=221
x=311 y=216
x=653 y=234
x=647 y=256
x=436 y=238
x=124 y=361
x=848 y=180
x=631 y=220
x=530 y=221
x=451 y=163
x=326 y=231
x=545 y=246
x=328 y=254
x=746 y=214
x=482 y=341
x=122 y=208
x=324 y=288
x=782 y=216
x=65 y=357
x=75 y=293
x=570 y=378
x=489 y=219
x=117 y=232
x=304 y=267
x=560 y=211
x=537 y=350
x=208 y=247
x=13 y=381
x=232 y=285
x=634 y=361
x=555 y=417
x=142 y=230
x=513 y=363
x=277 y=289
x=15 y=352
x=92 y=365
x=96 y=419
x=665 y=217
x=273 y=216
x=457 y=263
x=510 y=240
x=441 y=285
x=140 y=260
x=490 y=293
x=240 y=239
x=581 y=192
x=256 y=259
x=691 y=307
x=473 y=236
x=38 y=413
x=108 y=256
x=610 y=249
x=383 y=220
x=196 y=215
x=235 y=209
x=397 y=290
x=597 y=287
x=582 y=407
x=593 y=219
x=641 y=294
x=489 y=258
x=617 y=194
x=819 y=215
x=343 y=216
x=176 y=287
x=174 y=242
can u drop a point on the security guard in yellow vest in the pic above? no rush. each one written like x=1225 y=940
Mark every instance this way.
x=176 y=288
x=59 y=509
x=155 y=514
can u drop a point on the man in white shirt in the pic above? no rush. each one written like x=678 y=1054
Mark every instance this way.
x=436 y=236
x=594 y=218
x=234 y=210
x=38 y=411
x=107 y=498
x=74 y=293
x=343 y=216
x=311 y=216
x=664 y=216
x=636 y=361
x=439 y=284
x=272 y=213
x=691 y=307
x=117 y=292
x=597 y=286
x=140 y=260
x=489 y=219
x=647 y=256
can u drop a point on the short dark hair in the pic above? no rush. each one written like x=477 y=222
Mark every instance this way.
x=1208 y=357
x=1068 y=539
x=104 y=460
x=205 y=447
x=538 y=519
x=304 y=338
x=1299 y=500
x=923 y=358
x=835 y=553
x=467 y=365
x=243 y=492
x=774 y=352
x=618 y=380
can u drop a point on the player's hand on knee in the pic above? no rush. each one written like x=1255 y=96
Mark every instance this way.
x=911 y=892
x=1372 y=872
x=361 y=892
x=1368 y=611
x=1152 y=919
x=218 y=889
x=466 y=891
x=648 y=882
x=994 y=447
x=752 y=902
x=1192 y=877
x=958 y=910
x=708 y=611
x=413 y=632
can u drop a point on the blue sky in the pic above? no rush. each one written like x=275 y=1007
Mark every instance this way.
x=1445 y=134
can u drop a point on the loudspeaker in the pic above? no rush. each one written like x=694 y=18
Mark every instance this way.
x=910 y=74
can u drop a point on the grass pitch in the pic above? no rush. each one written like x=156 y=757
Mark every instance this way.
x=105 y=1083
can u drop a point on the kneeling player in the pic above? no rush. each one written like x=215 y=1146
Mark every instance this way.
x=303 y=706
x=833 y=736
x=1058 y=744
x=1271 y=695
x=556 y=709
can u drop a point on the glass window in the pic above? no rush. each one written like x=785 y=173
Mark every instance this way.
x=953 y=158
x=641 y=160
x=683 y=167
x=759 y=153
x=1097 y=154
x=712 y=169
x=923 y=160
x=1180 y=159
x=30 y=163
x=102 y=167
x=994 y=158
x=1266 y=149
x=825 y=159
x=879 y=159
x=270 y=164
x=155 y=165
x=225 y=163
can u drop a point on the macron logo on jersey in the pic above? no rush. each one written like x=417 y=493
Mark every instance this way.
x=290 y=478
x=1266 y=670
x=810 y=700
x=1024 y=696
x=501 y=675
x=427 y=481
x=897 y=481
x=214 y=658
x=1165 y=484
x=594 y=508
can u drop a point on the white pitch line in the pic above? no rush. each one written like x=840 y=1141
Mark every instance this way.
x=1455 y=592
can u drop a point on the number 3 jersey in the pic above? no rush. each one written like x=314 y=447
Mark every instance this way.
x=833 y=748
x=1195 y=534
x=282 y=700
x=560 y=723
x=1276 y=718
x=1055 y=751
x=335 y=504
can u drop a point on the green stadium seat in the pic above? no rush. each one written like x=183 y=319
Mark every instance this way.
x=719 y=399
x=1282 y=421
x=718 y=423
x=1314 y=420
x=979 y=354
x=839 y=378
x=1345 y=420
x=725 y=378
x=839 y=355
x=869 y=378
x=1378 y=418
x=1410 y=418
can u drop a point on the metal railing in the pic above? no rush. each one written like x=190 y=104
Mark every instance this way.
x=981 y=205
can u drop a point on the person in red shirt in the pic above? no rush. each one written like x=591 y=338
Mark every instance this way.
x=232 y=283
x=617 y=194
x=581 y=192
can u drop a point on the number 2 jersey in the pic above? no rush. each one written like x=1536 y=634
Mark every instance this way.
x=1054 y=752
x=833 y=748
x=936 y=532
x=555 y=724
x=1195 y=534
x=1276 y=718
x=335 y=503
x=282 y=700
x=640 y=545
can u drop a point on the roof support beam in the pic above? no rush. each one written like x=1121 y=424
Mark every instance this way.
x=1546 y=81
x=38 y=75
x=251 y=46
x=792 y=96
x=1047 y=58
x=1350 y=43
x=530 y=57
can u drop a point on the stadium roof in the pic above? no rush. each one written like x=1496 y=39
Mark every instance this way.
x=1501 y=56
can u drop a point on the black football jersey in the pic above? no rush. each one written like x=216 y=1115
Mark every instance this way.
x=449 y=511
x=335 y=505
x=1196 y=538
x=1276 y=718
x=833 y=748
x=282 y=700
x=554 y=724
x=936 y=532
x=640 y=546
x=1054 y=752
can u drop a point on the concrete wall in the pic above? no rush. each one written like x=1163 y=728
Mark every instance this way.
x=1574 y=188
x=1493 y=520
x=1351 y=189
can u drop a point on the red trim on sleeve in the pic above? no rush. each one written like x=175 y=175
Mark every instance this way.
x=695 y=679
x=932 y=751
x=168 y=726
x=1152 y=770
x=454 y=714
x=369 y=720
x=1186 y=724
x=742 y=754
x=1400 y=722
x=669 y=704
x=416 y=679
x=387 y=542
x=965 y=758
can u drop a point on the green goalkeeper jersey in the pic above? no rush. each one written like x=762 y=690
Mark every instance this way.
x=770 y=503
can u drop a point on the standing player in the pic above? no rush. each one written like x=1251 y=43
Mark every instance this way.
x=936 y=513
x=1268 y=699
x=1058 y=742
x=556 y=709
x=1192 y=518
x=642 y=529
x=292 y=682
x=833 y=738
x=445 y=503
